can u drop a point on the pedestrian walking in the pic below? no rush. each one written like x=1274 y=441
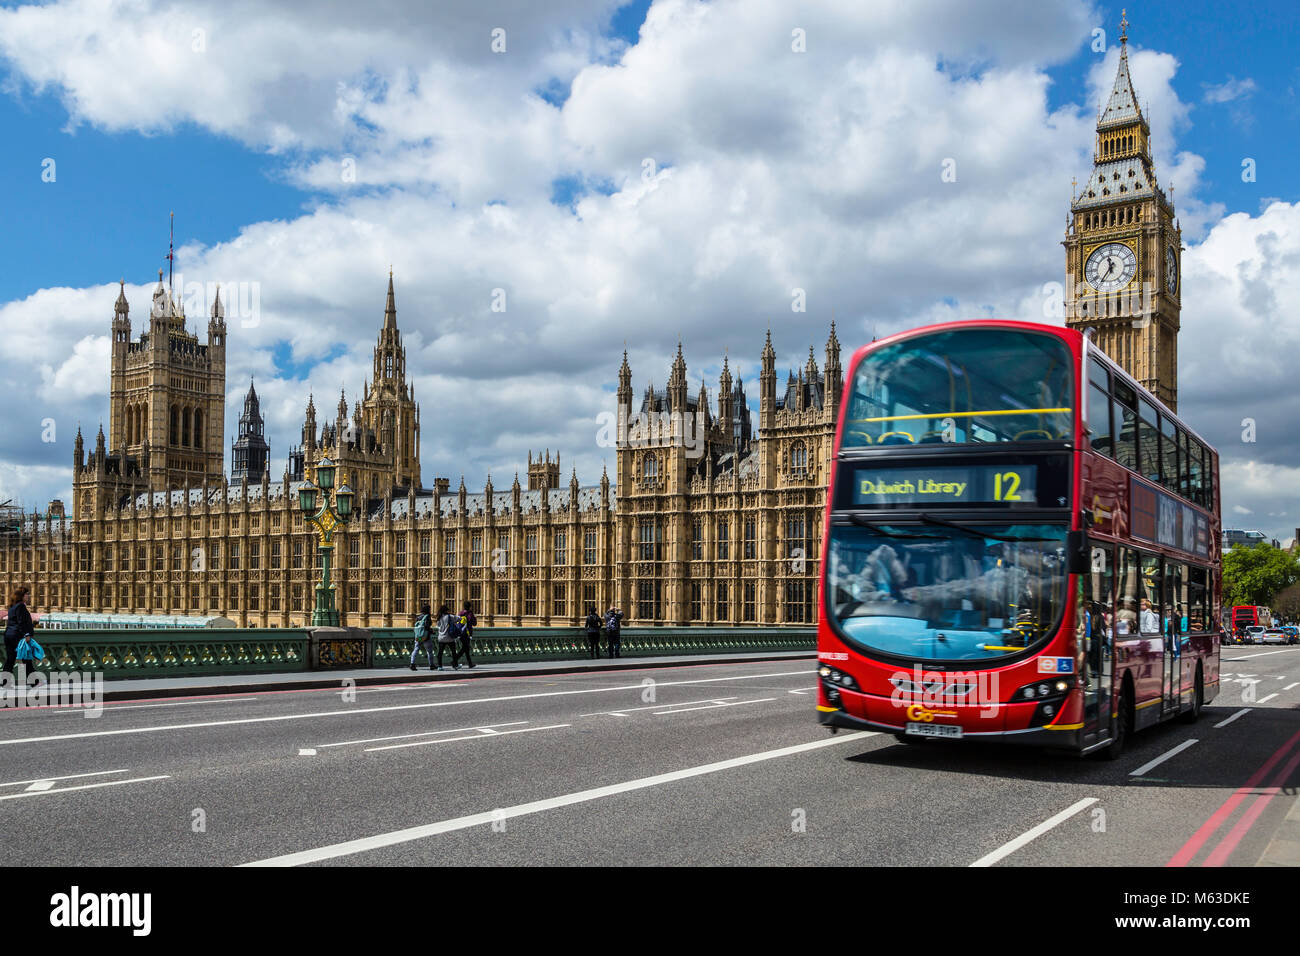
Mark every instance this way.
x=18 y=625
x=423 y=636
x=613 y=628
x=593 y=633
x=467 y=624
x=448 y=637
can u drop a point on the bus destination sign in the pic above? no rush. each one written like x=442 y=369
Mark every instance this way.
x=972 y=484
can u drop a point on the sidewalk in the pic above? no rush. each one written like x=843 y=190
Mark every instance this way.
x=147 y=688
x=1284 y=850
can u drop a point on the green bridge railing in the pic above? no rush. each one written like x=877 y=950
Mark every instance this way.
x=188 y=652
x=392 y=646
x=193 y=652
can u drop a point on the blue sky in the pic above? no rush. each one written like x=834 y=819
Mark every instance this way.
x=527 y=173
x=109 y=214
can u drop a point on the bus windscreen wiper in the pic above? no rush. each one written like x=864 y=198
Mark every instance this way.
x=864 y=522
x=974 y=533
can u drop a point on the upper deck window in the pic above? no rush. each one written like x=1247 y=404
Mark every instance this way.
x=966 y=386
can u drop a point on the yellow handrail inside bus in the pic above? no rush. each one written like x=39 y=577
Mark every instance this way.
x=996 y=411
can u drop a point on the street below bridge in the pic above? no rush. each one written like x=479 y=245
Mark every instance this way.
x=692 y=765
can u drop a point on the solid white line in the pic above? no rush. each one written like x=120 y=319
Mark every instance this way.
x=1265 y=700
x=84 y=786
x=1250 y=657
x=1162 y=758
x=424 y=686
x=627 y=710
x=427 y=733
x=184 y=703
x=714 y=706
x=538 y=806
x=1008 y=848
x=70 y=776
x=376 y=710
x=1289 y=686
x=1224 y=723
x=478 y=736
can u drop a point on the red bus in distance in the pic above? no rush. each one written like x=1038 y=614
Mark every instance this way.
x=1020 y=544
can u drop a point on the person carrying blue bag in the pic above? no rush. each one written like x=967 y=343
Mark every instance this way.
x=423 y=636
x=18 y=630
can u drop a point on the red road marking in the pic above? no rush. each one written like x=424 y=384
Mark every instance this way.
x=1224 y=849
x=1193 y=846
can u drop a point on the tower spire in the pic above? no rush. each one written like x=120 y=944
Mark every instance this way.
x=390 y=308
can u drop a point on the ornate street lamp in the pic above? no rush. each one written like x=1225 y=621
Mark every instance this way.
x=325 y=520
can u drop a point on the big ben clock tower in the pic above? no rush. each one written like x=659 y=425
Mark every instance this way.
x=1123 y=248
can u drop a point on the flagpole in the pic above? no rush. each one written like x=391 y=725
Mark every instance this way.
x=171 y=255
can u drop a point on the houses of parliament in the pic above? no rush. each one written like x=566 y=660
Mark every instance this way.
x=712 y=518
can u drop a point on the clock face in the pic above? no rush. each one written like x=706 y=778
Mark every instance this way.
x=1171 y=270
x=1111 y=267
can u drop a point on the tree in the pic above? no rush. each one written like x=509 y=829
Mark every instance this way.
x=1255 y=575
x=1286 y=603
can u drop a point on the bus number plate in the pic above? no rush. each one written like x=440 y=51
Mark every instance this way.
x=933 y=730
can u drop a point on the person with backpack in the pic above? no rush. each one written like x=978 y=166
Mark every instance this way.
x=448 y=637
x=423 y=636
x=613 y=627
x=593 y=633
x=467 y=624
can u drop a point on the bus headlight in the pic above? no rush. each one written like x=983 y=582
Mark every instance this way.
x=1040 y=690
x=834 y=679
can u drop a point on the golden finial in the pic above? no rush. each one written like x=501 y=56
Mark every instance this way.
x=1123 y=26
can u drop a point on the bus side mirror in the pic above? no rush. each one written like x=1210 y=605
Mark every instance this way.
x=1076 y=553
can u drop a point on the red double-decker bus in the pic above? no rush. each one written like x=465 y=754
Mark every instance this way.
x=1021 y=544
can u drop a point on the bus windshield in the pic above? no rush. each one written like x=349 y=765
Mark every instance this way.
x=933 y=593
x=962 y=386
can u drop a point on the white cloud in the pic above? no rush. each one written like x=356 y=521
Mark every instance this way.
x=1231 y=89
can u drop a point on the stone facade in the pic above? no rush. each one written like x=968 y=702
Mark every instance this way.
x=711 y=520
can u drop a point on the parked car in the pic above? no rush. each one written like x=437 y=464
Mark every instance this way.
x=1274 y=635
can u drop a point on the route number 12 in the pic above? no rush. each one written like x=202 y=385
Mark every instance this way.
x=1006 y=486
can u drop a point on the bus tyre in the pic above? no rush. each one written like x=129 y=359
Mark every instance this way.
x=1198 y=698
x=1123 y=726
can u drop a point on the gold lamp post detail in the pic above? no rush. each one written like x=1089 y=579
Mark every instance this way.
x=325 y=520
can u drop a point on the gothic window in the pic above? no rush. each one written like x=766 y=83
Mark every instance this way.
x=650 y=542
x=561 y=542
x=799 y=458
x=649 y=468
x=589 y=546
x=198 y=429
x=530 y=548
x=724 y=541
x=185 y=427
x=174 y=432
x=449 y=551
x=388 y=366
